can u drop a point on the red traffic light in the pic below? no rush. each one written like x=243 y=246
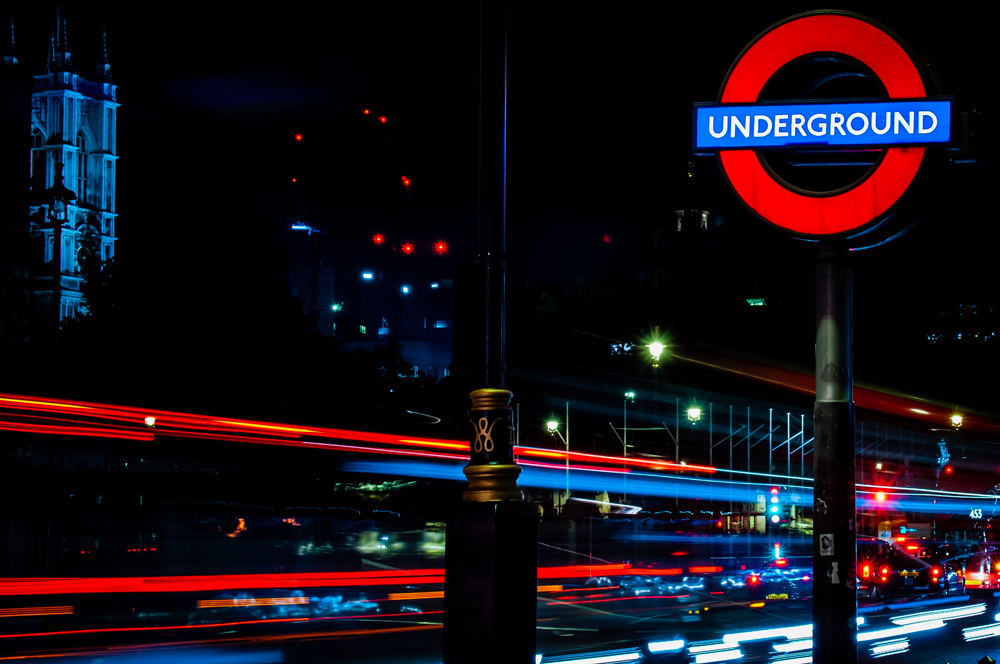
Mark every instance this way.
x=378 y=238
x=718 y=524
x=774 y=490
x=947 y=469
x=407 y=248
x=366 y=111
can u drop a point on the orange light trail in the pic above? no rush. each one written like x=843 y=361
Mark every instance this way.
x=258 y=601
x=36 y=611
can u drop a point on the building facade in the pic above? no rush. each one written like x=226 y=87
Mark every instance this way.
x=73 y=140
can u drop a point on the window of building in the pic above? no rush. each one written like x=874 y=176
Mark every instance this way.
x=81 y=168
x=363 y=331
x=37 y=155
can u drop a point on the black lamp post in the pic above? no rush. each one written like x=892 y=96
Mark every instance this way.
x=58 y=198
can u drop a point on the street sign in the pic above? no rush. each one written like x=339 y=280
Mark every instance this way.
x=900 y=127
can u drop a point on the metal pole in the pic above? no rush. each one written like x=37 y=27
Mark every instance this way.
x=625 y=452
x=710 y=434
x=834 y=534
x=566 y=440
x=677 y=430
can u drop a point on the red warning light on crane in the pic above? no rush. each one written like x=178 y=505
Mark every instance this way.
x=406 y=181
x=440 y=247
x=382 y=119
x=365 y=112
x=378 y=238
x=407 y=248
x=298 y=137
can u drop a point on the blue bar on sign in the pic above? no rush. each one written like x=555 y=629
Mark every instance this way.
x=921 y=122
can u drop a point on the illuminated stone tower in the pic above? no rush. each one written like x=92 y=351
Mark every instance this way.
x=73 y=121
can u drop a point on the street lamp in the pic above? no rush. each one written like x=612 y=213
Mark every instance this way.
x=553 y=429
x=956 y=421
x=694 y=414
x=656 y=349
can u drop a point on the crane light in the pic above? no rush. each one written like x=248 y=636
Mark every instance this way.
x=407 y=248
x=382 y=119
x=406 y=181
x=440 y=247
x=378 y=238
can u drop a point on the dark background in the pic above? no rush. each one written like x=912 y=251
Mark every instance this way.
x=599 y=104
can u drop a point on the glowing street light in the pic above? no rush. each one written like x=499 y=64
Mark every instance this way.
x=656 y=349
x=553 y=428
x=694 y=414
x=956 y=421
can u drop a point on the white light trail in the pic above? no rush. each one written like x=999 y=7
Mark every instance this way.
x=798 y=632
x=666 y=646
x=793 y=646
x=708 y=657
x=899 y=631
x=943 y=614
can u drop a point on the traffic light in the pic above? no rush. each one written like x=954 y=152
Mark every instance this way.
x=774 y=506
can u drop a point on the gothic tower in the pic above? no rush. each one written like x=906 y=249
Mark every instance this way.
x=73 y=121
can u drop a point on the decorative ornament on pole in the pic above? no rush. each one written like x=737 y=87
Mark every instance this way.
x=492 y=471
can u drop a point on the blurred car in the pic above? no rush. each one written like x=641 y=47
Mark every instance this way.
x=943 y=555
x=886 y=569
x=982 y=571
x=777 y=583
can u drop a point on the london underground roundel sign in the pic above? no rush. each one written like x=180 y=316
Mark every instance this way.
x=900 y=127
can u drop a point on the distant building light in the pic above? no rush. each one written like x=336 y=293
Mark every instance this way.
x=441 y=324
x=362 y=329
x=367 y=275
x=301 y=227
x=435 y=285
x=405 y=289
x=756 y=301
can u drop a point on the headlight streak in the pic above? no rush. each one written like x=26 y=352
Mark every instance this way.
x=899 y=631
x=890 y=648
x=790 y=633
x=709 y=646
x=981 y=632
x=943 y=614
x=666 y=646
x=794 y=660
x=793 y=646
x=725 y=656
x=607 y=657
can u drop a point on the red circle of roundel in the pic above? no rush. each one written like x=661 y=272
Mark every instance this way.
x=870 y=198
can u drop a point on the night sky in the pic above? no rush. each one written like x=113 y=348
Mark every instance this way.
x=599 y=106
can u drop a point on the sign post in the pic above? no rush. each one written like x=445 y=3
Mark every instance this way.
x=902 y=134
